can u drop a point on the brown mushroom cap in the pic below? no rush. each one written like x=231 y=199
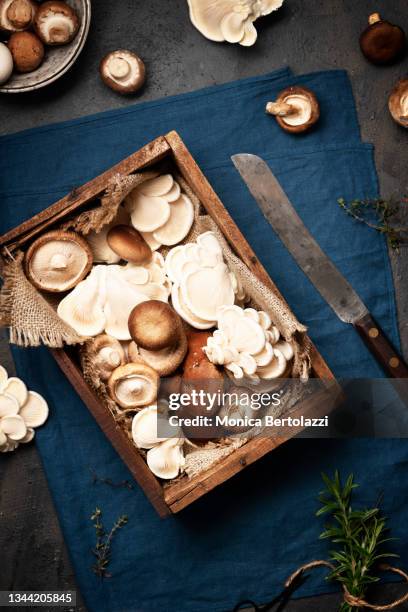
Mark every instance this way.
x=123 y=71
x=382 y=42
x=27 y=51
x=398 y=103
x=296 y=109
x=167 y=360
x=58 y=261
x=154 y=325
x=133 y=385
x=56 y=23
x=126 y=242
x=17 y=15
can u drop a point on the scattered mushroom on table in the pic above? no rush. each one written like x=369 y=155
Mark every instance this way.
x=296 y=109
x=123 y=71
x=382 y=42
x=398 y=103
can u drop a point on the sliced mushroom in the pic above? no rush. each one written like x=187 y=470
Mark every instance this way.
x=123 y=71
x=398 y=103
x=129 y=244
x=27 y=51
x=296 y=109
x=17 y=15
x=57 y=261
x=35 y=410
x=133 y=385
x=382 y=42
x=6 y=63
x=154 y=325
x=147 y=213
x=179 y=223
x=144 y=428
x=16 y=387
x=166 y=459
x=109 y=355
x=8 y=405
x=14 y=427
x=56 y=23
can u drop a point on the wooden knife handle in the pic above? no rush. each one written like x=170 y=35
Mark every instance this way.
x=381 y=348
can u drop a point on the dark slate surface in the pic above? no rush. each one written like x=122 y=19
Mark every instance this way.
x=320 y=34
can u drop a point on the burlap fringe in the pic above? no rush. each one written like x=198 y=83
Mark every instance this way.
x=351 y=600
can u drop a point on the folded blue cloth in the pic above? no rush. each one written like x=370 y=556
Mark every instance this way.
x=244 y=538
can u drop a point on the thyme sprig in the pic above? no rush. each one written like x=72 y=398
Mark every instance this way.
x=381 y=215
x=359 y=536
x=102 y=550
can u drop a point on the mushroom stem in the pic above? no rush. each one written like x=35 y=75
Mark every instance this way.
x=374 y=18
x=58 y=262
x=119 y=68
x=135 y=386
x=280 y=109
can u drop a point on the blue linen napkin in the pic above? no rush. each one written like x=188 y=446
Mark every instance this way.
x=243 y=539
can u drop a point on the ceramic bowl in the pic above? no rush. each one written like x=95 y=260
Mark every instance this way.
x=57 y=59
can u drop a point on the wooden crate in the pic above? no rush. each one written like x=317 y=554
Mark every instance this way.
x=174 y=496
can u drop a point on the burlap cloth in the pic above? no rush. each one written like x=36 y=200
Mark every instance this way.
x=32 y=319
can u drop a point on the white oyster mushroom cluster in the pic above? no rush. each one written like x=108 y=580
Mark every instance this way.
x=247 y=344
x=230 y=20
x=164 y=457
x=21 y=411
x=160 y=211
x=103 y=301
x=202 y=282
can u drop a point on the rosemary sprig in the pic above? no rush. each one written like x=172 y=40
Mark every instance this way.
x=358 y=535
x=102 y=550
x=386 y=213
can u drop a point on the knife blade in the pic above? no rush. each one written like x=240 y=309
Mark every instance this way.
x=325 y=276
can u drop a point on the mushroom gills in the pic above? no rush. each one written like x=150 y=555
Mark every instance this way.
x=166 y=459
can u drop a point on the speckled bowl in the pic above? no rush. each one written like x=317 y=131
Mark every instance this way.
x=57 y=59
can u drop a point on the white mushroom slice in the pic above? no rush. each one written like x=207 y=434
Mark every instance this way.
x=192 y=252
x=174 y=260
x=150 y=240
x=137 y=275
x=14 y=427
x=264 y=319
x=209 y=241
x=82 y=309
x=285 y=348
x=235 y=369
x=28 y=437
x=144 y=428
x=265 y=356
x=100 y=248
x=121 y=298
x=35 y=411
x=174 y=193
x=159 y=186
x=179 y=223
x=243 y=333
x=251 y=313
x=205 y=290
x=167 y=459
x=154 y=291
x=8 y=405
x=147 y=213
x=247 y=363
x=275 y=368
x=15 y=387
x=185 y=313
x=272 y=335
x=3 y=377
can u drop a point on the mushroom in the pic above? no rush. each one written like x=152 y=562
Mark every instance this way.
x=382 y=42
x=27 y=51
x=296 y=109
x=56 y=23
x=14 y=427
x=133 y=385
x=157 y=186
x=6 y=63
x=126 y=242
x=154 y=325
x=147 y=213
x=98 y=240
x=3 y=377
x=275 y=369
x=8 y=405
x=144 y=428
x=123 y=71
x=398 y=103
x=17 y=15
x=166 y=361
x=16 y=388
x=178 y=224
x=34 y=411
x=206 y=289
x=108 y=355
x=230 y=20
x=166 y=459
x=58 y=261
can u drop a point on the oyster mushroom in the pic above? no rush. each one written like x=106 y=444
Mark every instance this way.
x=27 y=51
x=14 y=427
x=398 y=103
x=98 y=240
x=3 y=377
x=123 y=71
x=108 y=355
x=167 y=360
x=154 y=325
x=34 y=411
x=147 y=213
x=296 y=109
x=126 y=242
x=6 y=63
x=230 y=20
x=157 y=186
x=382 y=42
x=56 y=23
x=144 y=428
x=8 y=405
x=166 y=460
x=178 y=224
x=17 y=15
x=57 y=261
x=16 y=388
x=133 y=385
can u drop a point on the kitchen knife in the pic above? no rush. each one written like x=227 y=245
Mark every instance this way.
x=324 y=275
